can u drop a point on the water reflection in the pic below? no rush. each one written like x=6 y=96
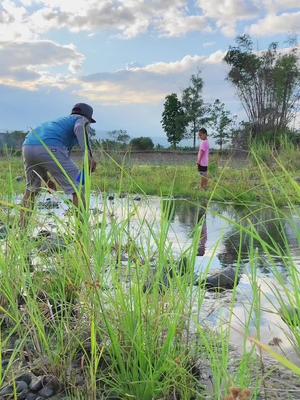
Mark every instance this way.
x=238 y=232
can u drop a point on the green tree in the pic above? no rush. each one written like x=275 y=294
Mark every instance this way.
x=267 y=84
x=119 y=138
x=173 y=119
x=194 y=108
x=142 y=143
x=221 y=123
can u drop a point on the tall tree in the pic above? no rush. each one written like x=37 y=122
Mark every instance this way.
x=221 y=122
x=173 y=119
x=267 y=83
x=194 y=107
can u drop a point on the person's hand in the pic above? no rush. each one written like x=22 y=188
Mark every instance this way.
x=198 y=166
x=51 y=185
x=93 y=165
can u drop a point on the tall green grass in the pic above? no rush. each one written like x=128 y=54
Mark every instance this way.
x=136 y=329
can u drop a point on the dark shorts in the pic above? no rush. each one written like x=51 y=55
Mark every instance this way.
x=203 y=170
x=38 y=163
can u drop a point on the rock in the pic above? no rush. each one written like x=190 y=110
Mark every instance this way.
x=20 y=386
x=50 y=388
x=122 y=195
x=31 y=396
x=43 y=233
x=3 y=231
x=6 y=391
x=23 y=394
x=47 y=392
x=5 y=363
x=137 y=198
x=48 y=204
x=111 y=197
x=220 y=280
x=19 y=178
x=36 y=384
x=27 y=377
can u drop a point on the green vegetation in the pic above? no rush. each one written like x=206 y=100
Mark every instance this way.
x=135 y=328
x=194 y=108
x=142 y=143
x=267 y=84
x=173 y=119
x=278 y=167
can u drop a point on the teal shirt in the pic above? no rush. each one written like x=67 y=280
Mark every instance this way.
x=58 y=133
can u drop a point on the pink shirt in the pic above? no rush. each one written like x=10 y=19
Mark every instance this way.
x=204 y=146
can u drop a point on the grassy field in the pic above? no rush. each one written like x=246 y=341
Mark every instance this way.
x=85 y=323
x=264 y=179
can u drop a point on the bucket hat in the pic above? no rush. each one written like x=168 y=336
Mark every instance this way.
x=85 y=110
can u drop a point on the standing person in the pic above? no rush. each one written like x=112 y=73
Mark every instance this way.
x=203 y=156
x=46 y=150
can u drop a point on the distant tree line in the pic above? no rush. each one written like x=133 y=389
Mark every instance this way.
x=267 y=84
x=118 y=140
x=12 y=140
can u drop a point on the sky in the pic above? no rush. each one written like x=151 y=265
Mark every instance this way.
x=124 y=56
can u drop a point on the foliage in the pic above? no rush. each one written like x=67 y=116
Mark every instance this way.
x=119 y=135
x=221 y=122
x=194 y=108
x=142 y=143
x=12 y=140
x=267 y=84
x=136 y=328
x=173 y=119
x=118 y=140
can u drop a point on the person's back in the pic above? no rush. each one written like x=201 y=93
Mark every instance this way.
x=57 y=133
x=46 y=154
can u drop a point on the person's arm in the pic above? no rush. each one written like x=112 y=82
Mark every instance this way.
x=200 y=155
x=81 y=130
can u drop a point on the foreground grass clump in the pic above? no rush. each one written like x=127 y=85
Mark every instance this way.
x=107 y=311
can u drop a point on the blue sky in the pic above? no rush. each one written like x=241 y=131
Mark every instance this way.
x=124 y=56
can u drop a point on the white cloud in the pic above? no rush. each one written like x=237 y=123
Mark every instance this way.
x=187 y=63
x=286 y=23
x=148 y=84
x=227 y=13
x=275 y=6
x=28 y=64
x=128 y=18
x=30 y=19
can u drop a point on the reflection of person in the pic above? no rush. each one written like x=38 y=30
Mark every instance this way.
x=46 y=150
x=203 y=156
x=203 y=238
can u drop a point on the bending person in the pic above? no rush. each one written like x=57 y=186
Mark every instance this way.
x=46 y=150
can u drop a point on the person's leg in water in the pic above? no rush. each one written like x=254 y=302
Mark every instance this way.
x=35 y=173
x=27 y=207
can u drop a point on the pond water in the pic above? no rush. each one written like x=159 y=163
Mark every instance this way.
x=223 y=242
